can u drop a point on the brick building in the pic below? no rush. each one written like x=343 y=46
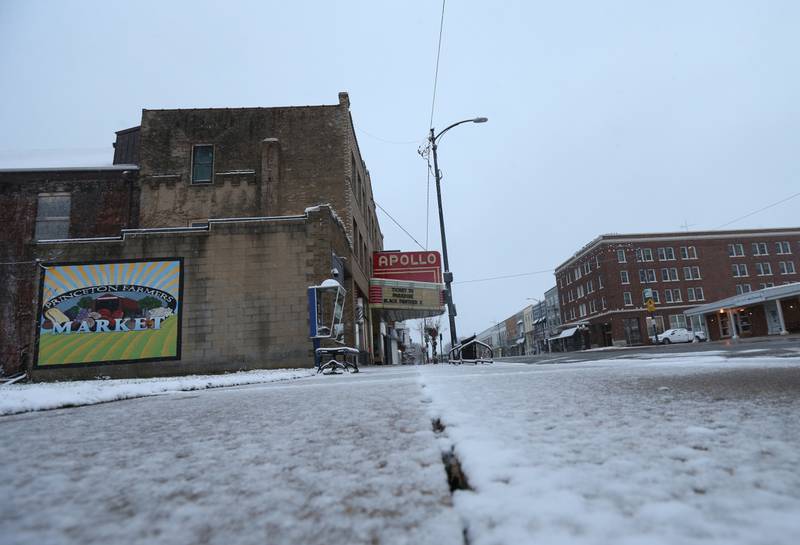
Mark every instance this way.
x=601 y=286
x=227 y=191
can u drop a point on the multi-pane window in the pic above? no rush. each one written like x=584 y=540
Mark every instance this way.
x=202 y=164
x=673 y=296
x=52 y=216
x=783 y=248
x=735 y=250
x=580 y=291
x=599 y=282
x=763 y=269
x=644 y=254
x=578 y=272
x=603 y=303
x=623 y=277
x=766 y=285
x=742 y=288
x=688 y=252
x=739 y=269
x=677 y=320
x=760 y=248
x=597 y=262
x=669 y=275
x=626 y=298
x=666 y=254
x=691 y=273
x=621 y=256
x=695 y=294
x=787 y=267
x=593 y=306
x=590 y=287
x=587 y=267
x=582 y=310
x=647 y=276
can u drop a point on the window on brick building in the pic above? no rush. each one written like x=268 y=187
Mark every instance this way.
x=644 y=254
x=735 y=250
x=202 y=164
x=647 y=276
x=763 y=269
x=603 y=303
x=787 y=267
x=627 y=299
x=623 y=277
x=695 y=294
x=691 y=273
x=739 y=270
x=52 y=216
x=669 y=274
x=760 y=248
x=589 y=287
x=743 y=288
x=783 y=248
x=766 y=285
x=621 y=256
x=654 y=295
x=688 y=252
x=676 y=321
x=599 y=282
x=666 y=254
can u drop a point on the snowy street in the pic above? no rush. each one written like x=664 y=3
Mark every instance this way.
x=689 y=448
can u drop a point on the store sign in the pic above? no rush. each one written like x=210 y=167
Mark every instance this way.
x=413 y=266
x=406 y=300
x=109 y=312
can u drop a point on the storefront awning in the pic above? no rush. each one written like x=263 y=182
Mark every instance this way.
x=567 y=333
x=747 y=299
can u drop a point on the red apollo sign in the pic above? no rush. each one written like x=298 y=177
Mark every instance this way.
x=413 y=266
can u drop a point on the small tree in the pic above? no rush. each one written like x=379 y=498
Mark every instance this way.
x=86 y=302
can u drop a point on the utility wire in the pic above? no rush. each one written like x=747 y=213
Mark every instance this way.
x=398 y=224
x=438 y=55
x=790 y=197
x=399 y=142
x=430 y=125
x=531 y=273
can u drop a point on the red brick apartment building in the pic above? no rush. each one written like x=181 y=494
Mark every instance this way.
x=601 y=286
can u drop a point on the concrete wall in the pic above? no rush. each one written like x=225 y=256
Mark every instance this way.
x=244 y=292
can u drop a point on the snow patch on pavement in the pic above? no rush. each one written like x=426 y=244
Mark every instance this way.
x=672 y=450
x=20 y=398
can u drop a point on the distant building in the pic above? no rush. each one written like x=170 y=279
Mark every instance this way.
x=601 y=287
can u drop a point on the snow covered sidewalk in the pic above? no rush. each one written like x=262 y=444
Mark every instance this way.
x=348 y=459
x=692 y=449
x=19 y=398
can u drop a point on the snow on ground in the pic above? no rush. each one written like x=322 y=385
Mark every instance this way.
x=347 y=459
x=691 y=449
x=18 y=398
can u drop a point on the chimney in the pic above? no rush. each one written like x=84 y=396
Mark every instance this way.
x=344 y=99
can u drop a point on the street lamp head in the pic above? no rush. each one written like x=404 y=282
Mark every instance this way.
x=480 y=120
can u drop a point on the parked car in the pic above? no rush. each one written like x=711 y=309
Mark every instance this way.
x=680 y=335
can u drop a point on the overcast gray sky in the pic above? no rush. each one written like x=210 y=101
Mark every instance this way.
x=603 y=116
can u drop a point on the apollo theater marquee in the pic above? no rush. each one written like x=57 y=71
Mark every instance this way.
x=407 y=285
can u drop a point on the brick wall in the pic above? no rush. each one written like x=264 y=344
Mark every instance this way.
x=102 y=203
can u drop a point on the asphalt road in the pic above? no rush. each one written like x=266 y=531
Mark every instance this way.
x=762 y=346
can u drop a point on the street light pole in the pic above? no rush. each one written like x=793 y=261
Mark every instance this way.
x=448 y=276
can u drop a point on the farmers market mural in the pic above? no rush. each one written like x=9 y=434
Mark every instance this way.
x=109 y=312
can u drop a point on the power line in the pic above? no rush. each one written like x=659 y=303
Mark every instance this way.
x=531 y=273
x=790 y=197
x=438 y=55
x=399 y=142
x=398 y=224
